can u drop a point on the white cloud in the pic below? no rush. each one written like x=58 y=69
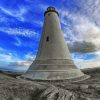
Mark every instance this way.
x=81 y=63
x=88 y=64
x=88 y=31
x=92 y=9
x=82 y=28
x=21 y=63
x=18 y=13
x=29 y=56
x=79 y=60
x=12 y=61
x=8 y=57
x=28 y=59
x=19 y=31
x=38 y=22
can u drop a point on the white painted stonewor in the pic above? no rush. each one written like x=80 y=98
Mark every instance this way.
x=53 y=60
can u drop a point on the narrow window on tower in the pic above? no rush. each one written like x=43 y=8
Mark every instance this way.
x=49 y=14
x=47 y=39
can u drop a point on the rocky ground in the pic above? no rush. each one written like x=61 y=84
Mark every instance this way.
x=20 y=89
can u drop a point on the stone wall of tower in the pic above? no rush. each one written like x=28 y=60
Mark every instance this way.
x=52 y=43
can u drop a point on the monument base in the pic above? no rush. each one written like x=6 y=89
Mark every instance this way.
x=73 y=75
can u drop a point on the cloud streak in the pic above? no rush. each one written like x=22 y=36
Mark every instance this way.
x=17 y=13
x=18 y=31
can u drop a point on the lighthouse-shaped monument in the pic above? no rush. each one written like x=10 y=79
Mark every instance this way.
x=53 y=60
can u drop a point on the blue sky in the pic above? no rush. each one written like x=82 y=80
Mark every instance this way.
x=21 y=24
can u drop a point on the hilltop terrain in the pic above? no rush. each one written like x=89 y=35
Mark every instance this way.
x=12 y=88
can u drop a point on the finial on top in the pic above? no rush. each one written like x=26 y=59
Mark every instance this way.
x=50 y=8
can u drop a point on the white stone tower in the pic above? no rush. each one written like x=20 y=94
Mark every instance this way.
x=53 y=60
